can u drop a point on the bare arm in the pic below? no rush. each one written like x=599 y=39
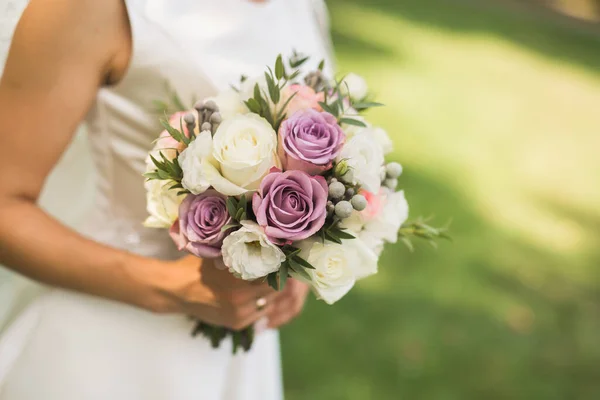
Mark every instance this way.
x=62 y=52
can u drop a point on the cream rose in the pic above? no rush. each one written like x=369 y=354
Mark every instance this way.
x=161 y=203
x=365 y=157
x=245 y=148
x=337 y=266
x=248 y=253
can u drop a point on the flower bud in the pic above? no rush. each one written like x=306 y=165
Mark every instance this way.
x=359 y=202
x=350 y=192
x=348 y=177
x=215 y=118
x=391 y=183
x=336 y=190
x=393 y=170
x=343 y=209
x=330 y=208
x=206 y=126
x=211 y=105
x=341 y=168
x=189 y=119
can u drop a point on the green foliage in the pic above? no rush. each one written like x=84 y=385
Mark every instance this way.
x=167 y=170
x=238 y=211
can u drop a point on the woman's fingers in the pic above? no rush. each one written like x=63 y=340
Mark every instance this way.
x=289 y=305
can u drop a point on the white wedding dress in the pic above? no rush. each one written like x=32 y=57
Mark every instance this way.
x=60 y=345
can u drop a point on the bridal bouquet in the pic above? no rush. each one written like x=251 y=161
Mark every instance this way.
x=281 y=177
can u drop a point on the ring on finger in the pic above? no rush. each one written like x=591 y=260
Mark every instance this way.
x=261 y=303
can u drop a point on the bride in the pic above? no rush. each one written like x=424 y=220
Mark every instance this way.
x=115 y=321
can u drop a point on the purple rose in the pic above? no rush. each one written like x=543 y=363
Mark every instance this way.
x=309 y=141
x=201 y=218
x=290 y=205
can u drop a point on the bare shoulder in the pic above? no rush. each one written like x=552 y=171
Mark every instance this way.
x=93 y=32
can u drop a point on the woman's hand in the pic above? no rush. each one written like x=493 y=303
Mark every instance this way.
x=289 y=305
x=201 y=289
x=198 y=288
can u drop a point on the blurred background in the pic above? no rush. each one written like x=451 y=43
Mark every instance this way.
x=494 y=107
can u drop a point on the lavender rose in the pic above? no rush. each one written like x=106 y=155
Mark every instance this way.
x=290 y=205
x=309 y=140
x=201 y=218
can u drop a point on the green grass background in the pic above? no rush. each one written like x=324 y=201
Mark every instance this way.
x=495 y=116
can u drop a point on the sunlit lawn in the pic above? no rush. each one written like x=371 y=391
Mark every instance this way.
x=496 y=118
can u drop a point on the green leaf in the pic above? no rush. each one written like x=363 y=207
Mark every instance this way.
x=281 y=112
x=303 y=262
x=176 y=185
x=229 y=226
x=243 y=203
x=297 y=62
x=294 y=75
x=272 y=280
x=274 y=92
x=238 y=214
x=332 y=238
x=231 y=206
x=352 y=121
x=283 y=275
x=328 y=108
x=365 y=105
x=175 y=134
x=257 y=95
x=342 y=234
x=321 y=65
x=297 y=268
x=253 y=105
x=151 y=175
x=292 y=252
x=279 y=68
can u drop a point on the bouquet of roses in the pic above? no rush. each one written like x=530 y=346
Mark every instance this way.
x=281 y=177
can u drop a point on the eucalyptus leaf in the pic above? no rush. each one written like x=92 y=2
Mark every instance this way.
x=303 y=262
x=352 y=121
x=283 y=275
x=272 y=280
x=365 y=105
x=279 y=68
x=332 y=238
x=231 y=207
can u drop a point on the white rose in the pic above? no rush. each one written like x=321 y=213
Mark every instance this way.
x=192 y=159
x=354 y=223
x=249 y=254
x=365 y=156
x=385 y=226
x=382 y=137
x=162 y=204
x=245 y=148
x=337 y=266
x=355 y=86
x=230 y=103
